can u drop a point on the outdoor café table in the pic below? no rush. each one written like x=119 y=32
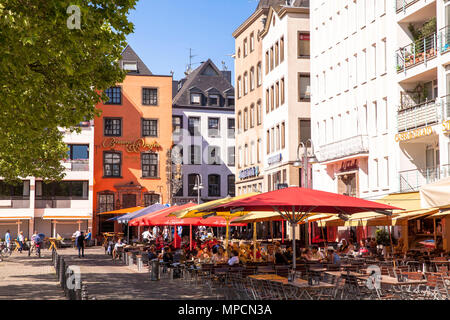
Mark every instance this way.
x=399 y=287
x=267 y=277
x=303 y=289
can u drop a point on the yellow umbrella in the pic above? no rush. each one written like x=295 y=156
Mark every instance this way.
x=122 y=211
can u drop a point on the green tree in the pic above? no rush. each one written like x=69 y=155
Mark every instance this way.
x=52 y=75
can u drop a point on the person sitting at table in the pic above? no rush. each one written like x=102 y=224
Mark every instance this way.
x=270 y=254
x=146 y=235
x=204 y=254
x=234 y=259
x=152 y=253
x=288 y=253
x=280 y=258
x=332 y=256
x=373 y=247
x=316 y=254
x=343 y=249
x=306 y=254
x=219 y=256
x=118 y=249
x=362 y=248
x=167 y=256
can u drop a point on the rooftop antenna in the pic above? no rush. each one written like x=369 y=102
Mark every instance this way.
x=189 y=66
x=224 y=66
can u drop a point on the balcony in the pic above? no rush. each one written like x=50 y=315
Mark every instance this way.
x=58 y=203
x=444 y=39
x=343 y=148
x=412 y=180
x=401 y=5
x=416 y=53
x=76 y=165
x=418 y=115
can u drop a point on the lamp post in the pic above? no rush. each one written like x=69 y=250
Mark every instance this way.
x=198 y=186
x=303 y=162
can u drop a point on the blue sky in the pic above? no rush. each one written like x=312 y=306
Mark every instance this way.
x=164 y=30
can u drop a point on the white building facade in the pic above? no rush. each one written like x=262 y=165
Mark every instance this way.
x=58 y=208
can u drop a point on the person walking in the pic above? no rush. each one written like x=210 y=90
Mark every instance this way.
x=21 y=241
x=8 y=239
x=80 y=244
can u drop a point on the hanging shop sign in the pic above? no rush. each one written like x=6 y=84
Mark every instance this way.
x=275 y=159
x=417 y=133
x=133 y=145
x=349 y=165
x=249 y=173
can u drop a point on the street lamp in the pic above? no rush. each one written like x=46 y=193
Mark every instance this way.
x=307 y=157
x=198 y=186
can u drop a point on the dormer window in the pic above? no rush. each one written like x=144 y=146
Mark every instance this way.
x=196 y=98
x=230 y=101
x=214 y=100
x=130 y=66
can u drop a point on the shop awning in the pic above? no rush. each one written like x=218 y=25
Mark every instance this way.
x=14 y=218
x=121 y=211
x=406 y=216
x=443 y=211
x=436 y=194
x=273 y=216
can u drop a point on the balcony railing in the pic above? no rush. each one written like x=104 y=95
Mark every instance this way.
x=343 y=148
x=59 y=202
x=444 y=39
x=15 y=202
x=76 y=165
x=419 y=115
x=417 y=52
x=412 y=180
x=401 y=5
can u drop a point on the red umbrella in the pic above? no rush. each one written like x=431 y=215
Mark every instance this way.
x=294 y=204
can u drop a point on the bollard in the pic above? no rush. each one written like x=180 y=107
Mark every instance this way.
x=84 y=293
x=124 y=257
x=139 y=262
x=154 y=274
x=130 y=258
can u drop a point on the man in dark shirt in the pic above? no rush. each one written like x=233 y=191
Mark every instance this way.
x=80 y=244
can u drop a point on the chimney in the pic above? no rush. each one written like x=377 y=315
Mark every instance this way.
x=227 y=75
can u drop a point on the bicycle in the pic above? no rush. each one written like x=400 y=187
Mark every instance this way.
x=5 y=250
x=36 y=247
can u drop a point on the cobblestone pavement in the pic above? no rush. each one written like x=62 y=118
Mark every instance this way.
x=107 y=280
x=29 y=278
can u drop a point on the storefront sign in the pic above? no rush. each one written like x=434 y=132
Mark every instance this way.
x=249 y=173
x=275 y=159
x=132 y=146
x=417 y=133
x=349 y=165
x=446 y=126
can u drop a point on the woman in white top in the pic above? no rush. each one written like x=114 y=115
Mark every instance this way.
x=21 y=240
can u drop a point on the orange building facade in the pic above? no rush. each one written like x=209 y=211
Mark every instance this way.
x=132 y=138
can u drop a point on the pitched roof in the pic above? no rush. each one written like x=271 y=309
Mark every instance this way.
x=205 y=77
x=276 y=4
x=128 y=55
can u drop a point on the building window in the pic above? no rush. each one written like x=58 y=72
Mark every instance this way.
x=259 y=113
x=151 y=198
x=277 y=94
x=231 y=128
x=240 y=157
x=149 y=96
x=239 y=87
x=259 y=151
x=214 y=155
x=20 y=190
x=268 y=141
x=231 y=185
x=245 y=48
x=304 y=87
x=305 y=130
x=239 y=121
x=252 y=116
x=267 y=62
x=259 y=74
x=213 y=127
x=231 y=156
x=230 y=101
x=194 y=126
x=272 y=97
x=112 y=164
x=277 y=137
x=303 y=45
x=271 y=59
x=214 y=100
x=252 y=42
x=195 y=154
x=112 y=127
x=180 y=191
x=149 y=128
x=130 y=66
x=196 y=98
x=277 y=54
x=177 y=124
x=283 y=135
x=78 y=151
x=149 y=165
x=192 y=182
x=114 y=94
x=267 y=101
x=281 y=49
x=252 y=79
x=214 y=185
x=245 y=83
x=245 y=119
x=282 y=91
x=105 y=202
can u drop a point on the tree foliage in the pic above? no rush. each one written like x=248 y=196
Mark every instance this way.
x=51 y=77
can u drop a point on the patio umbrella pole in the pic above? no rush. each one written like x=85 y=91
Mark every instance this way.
x=128 y=234
x=190 y=237
x=282 y=231
x=392 y=247
x=175 y=236
x=254 y=241
x=294 y=259
x=227 y=232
